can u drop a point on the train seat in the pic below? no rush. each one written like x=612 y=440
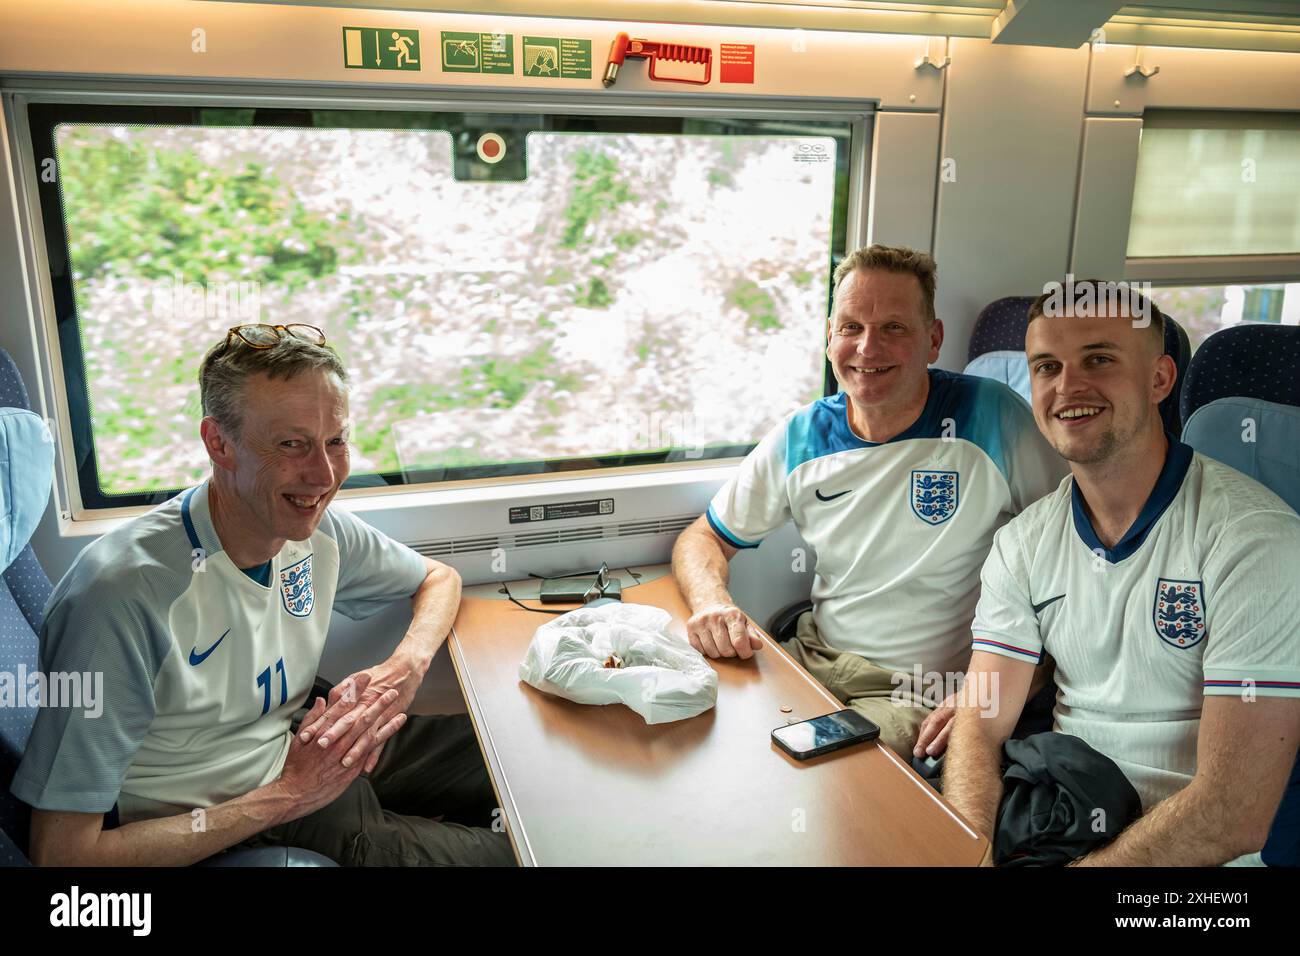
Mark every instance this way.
x=1249 y=372
x=997 y=343
x=26 y=476
x=1242 y=406
x=1179 y=347
x=997 y=351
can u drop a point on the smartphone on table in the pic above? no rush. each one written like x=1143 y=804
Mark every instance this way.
x=821 y=735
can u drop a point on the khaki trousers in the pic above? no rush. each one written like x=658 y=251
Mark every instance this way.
x=861 y=685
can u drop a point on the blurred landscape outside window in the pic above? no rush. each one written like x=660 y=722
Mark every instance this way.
x=637 y=292
x=1204 y=310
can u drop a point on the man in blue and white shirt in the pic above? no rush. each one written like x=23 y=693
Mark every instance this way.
x=1161 y=582
x=897 y=482
x=208 y=617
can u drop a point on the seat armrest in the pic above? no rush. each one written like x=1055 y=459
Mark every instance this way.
x=273 y=856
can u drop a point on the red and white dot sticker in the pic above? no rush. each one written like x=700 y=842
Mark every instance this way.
x=491 y=148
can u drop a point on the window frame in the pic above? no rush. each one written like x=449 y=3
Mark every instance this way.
x=1210 y=270
x=858 y=117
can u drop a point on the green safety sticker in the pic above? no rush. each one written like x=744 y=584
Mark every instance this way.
x=371 y=48
x=558 y=57
x=478 y=52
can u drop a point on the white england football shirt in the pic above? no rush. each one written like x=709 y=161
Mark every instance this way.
x=203 y=666
x=900 y=528
x=1197 y=598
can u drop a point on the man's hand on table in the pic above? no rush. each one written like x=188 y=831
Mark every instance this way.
x=348 y=702
x=722 y=630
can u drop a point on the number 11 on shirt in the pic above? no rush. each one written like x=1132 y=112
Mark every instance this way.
x=264 y=682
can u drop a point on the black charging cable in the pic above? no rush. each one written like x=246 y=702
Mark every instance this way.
x=536 y=610
x=599 y=584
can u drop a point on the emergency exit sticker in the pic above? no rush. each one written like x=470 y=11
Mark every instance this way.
x=478 y=52
x=736 y=63
x=369 y=48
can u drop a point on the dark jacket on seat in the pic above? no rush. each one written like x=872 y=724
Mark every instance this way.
x=1062 y=799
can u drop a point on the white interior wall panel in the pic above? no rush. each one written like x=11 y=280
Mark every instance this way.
x=1107 y=174
x=1011 y=129
x=250 y=42
x=904 y=176
x=1191 y=79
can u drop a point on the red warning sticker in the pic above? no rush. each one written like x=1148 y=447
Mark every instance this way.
x=737 y=63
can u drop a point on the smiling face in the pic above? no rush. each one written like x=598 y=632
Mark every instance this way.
x=277 y=476
x=1097 y=384
x=880 y=342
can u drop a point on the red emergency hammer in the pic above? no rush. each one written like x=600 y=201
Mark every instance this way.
x=674 y=52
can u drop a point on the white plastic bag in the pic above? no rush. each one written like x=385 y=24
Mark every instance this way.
x=662 y=678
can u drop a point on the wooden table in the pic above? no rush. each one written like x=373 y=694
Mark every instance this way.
x=586 y=785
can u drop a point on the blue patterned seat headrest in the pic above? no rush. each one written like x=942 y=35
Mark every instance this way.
x=1246 y=361
x=1000 y=326
x=26 y=473
x=1179 y=348
x=13 y=394
x=1008 y=367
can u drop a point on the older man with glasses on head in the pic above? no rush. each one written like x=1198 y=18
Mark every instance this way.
x=208 y=616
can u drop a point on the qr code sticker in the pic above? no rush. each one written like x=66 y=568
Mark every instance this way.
x=606 y=506
x=537 y=513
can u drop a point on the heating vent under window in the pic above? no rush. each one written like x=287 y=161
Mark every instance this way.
x=537 y=539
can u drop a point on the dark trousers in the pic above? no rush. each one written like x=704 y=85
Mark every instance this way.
x=428 y=802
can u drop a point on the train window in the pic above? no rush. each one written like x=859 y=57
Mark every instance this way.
x=1217 y=185
x=514 y=294
x=1204 y=310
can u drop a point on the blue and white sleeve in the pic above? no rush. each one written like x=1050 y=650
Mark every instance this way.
x=1005 y=622
x=80 y=750
x=1252 y=619
x=755 y=501
x=374 y=570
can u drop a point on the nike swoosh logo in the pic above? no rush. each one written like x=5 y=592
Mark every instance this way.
x=822 y=497
x=196 y=658
x=1039 y=607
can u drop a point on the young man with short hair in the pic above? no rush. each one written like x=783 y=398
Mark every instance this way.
x=1162 y=584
